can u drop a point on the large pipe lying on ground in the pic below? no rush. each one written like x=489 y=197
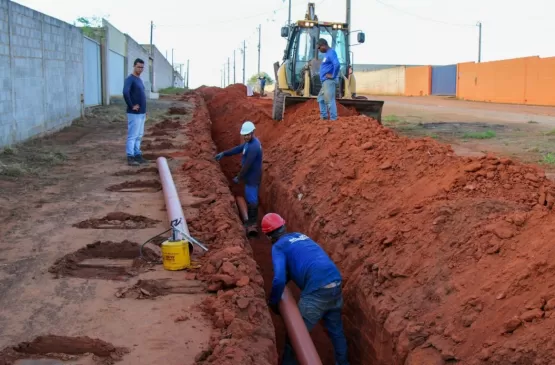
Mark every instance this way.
x=297 y=331
x=173 y=205
x=242 y=206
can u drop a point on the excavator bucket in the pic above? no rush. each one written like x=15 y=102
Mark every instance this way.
x=370 y=108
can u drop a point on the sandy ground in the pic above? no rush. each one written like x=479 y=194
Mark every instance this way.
x=46 y=186
x=516 y=131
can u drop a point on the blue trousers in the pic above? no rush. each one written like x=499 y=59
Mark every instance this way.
x=326 y=100
x=251 y=194
x=135 y=131
x=323 y=304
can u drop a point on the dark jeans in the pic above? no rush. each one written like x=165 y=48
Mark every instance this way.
x=323 y=304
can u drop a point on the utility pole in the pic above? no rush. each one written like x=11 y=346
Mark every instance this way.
x=187 y=74
x=228 y=73
x=234 y=73
x=348 y=38
x=289 y=18
x=172 y=57
x=259 y=37
x=224 y=74
x=244 y=56
x=151 y=29
x=479 y=24
x=151 y=72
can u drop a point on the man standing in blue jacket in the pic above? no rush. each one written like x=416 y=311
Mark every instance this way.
x=296 y=257
x=251 y=169
x=329 y=72
x=135 y=98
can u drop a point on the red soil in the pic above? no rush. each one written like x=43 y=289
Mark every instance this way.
x=444 y=258
x=243 y=331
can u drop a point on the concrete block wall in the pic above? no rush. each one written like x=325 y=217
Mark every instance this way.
x=42 y=73
x=134 y=51
x=7 y=131
x=163 y=70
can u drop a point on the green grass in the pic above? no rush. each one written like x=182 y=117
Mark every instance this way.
x=13 y=170
x=480 y=135
x=551 y=133
x=391 y=118
x=172 y=90
x=549 y=159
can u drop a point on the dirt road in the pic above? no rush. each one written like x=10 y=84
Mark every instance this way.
x=63 y=272
x=474 y=128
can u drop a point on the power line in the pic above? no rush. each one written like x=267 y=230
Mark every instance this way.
x=423 y=17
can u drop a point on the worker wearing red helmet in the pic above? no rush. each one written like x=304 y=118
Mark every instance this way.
x=296 y=257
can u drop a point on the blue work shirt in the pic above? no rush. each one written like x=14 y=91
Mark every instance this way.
x=251 y=162
x=295 y=256
x=134 y=93
x=262 y=81
x=330 y=65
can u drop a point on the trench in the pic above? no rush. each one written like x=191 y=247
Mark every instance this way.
x=262 y=251
x=369 y=339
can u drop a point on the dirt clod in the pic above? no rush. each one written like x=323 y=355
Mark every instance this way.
x=137 y=186
x=63 y=348
x=118 y=220
x=111 y=269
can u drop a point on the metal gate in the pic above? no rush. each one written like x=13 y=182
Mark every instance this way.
x=116 y=72
x=92 y=80
x=444 y=80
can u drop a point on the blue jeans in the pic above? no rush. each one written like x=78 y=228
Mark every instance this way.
x=135 y=131
x=251 y=194
x=326 y=100
x=322 y=304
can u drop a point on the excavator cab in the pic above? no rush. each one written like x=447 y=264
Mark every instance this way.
x=297 y=78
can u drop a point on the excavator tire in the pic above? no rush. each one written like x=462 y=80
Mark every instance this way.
x=278 y=106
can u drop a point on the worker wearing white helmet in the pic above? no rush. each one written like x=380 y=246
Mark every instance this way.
x=251 y=169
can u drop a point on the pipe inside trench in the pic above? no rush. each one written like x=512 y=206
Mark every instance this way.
x=296 y=329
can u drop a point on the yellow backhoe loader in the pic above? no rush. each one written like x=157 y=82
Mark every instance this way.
x=297 y=78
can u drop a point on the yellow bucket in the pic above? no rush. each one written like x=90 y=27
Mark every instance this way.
x=176 y=255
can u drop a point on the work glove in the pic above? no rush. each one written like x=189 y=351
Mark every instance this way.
x=236 y=179
x=219 y=156
x=274 y=308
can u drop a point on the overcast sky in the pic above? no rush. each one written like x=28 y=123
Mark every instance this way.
x=397 y=31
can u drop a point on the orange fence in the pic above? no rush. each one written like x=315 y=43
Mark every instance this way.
x=418 y=81
x=527 y=80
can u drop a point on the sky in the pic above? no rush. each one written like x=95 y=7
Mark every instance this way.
x=411 y=32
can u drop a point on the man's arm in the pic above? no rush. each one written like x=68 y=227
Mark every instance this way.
x=127 y=92
x=280 y=276
x=235 y=150
x=251 y=154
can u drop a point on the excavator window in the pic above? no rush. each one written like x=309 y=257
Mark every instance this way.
x=336 y=39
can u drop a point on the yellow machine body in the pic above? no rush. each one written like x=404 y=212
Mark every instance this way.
x=176 y=255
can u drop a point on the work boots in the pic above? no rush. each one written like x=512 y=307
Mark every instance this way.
x=131 y=161
x=252 y=211
x=140 y=159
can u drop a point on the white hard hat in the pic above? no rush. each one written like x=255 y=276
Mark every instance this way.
x=247 y=128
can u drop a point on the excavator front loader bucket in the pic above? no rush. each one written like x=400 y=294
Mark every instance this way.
x=370 y=108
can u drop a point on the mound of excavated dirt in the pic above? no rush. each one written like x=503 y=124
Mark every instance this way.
x=243 y=331
x=444 y=258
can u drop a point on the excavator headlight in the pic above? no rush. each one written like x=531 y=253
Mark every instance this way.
x=339 y=26
x=307 y=24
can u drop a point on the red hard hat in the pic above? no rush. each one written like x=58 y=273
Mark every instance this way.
x=271 y=222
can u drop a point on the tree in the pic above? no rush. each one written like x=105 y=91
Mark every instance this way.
x=254 y=79
x=90 y=26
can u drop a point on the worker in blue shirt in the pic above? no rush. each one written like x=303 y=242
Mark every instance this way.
x=135 y=98
x=251 y=170
x=329 y=72
x=262 y=80
x=296 y=257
